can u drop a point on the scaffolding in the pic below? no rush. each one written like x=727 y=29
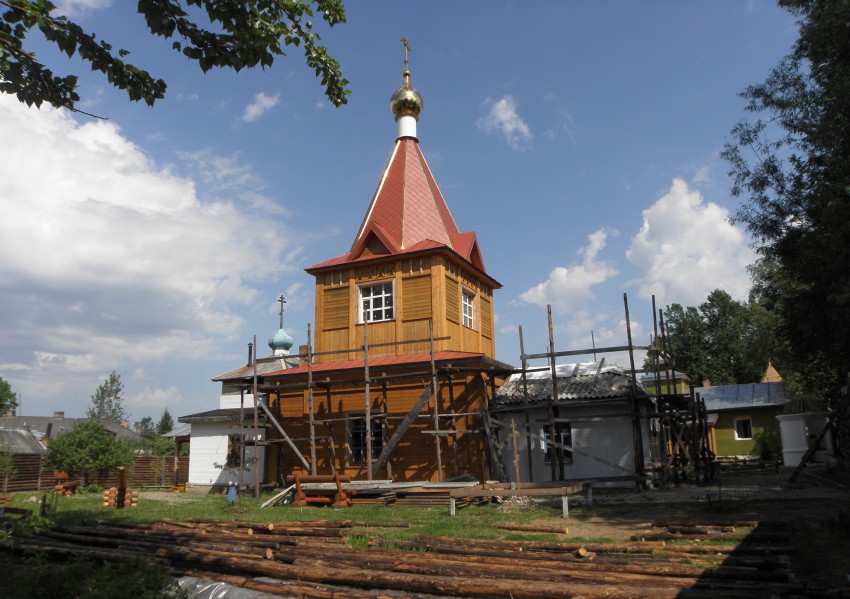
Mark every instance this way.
x=681 y=418
x=444 y=424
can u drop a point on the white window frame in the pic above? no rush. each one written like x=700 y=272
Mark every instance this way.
x=564 y=436
x=360 y=301
x=735 y=427
x=468 y=308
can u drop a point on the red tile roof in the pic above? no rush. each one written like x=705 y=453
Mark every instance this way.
x=381 y=362
x=408 y=214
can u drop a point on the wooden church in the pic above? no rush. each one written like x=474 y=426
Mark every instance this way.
x=396 y=381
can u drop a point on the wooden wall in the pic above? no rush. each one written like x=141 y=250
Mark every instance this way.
x=415 y=456
x=426 y=287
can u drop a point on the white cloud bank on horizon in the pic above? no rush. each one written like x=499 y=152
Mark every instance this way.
x=686 y=248
x=568 y=288
x=503 y=117
x=109 y=257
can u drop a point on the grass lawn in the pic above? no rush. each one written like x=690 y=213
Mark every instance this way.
x=471 y=522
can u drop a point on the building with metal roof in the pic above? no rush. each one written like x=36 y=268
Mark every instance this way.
x=743 y=418
x=599 y=414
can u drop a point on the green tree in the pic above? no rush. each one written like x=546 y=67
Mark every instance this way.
x=108 y=401
x=731 y=357
x=234 y=34
x=8 y=398
x=88 y=449
x=791 y=166
x=687 y=341
x=146 y=428
x=7 y=463
x=165 y=424
x=723 y=340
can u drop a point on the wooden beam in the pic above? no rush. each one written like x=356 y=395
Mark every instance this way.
x=402 y=428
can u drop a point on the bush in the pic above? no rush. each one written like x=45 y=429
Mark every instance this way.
x=86 y=449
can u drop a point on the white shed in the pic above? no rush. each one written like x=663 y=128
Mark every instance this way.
x=593 y=422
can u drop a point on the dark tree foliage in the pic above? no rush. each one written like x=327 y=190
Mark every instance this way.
x=145 y=427
x=8 y=398
x=165 y=424
x=236 y=35
x=791 y=166
x=723 y=340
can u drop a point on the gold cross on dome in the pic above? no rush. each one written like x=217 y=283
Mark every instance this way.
x=406 y=50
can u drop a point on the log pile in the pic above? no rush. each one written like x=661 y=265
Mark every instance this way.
x=312 y=560
x=118 y=498
x=121 y=496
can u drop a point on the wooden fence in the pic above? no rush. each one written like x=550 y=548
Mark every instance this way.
x=146 y=471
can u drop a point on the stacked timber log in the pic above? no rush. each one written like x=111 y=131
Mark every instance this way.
x=121 y=496
x=312 y=560
x=118 y=498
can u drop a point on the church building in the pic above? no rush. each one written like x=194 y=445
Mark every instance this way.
x=396 y=380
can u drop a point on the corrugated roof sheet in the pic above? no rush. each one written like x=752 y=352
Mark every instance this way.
x=39 y=424
x=21 y=441
x=578 y=382
x=264 y=366
x=754 y=395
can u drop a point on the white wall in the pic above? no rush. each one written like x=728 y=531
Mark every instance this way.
x=232 y=400
x=603 y=430
x=208 y=447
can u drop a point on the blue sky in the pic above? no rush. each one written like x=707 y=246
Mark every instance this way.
x=580 y=141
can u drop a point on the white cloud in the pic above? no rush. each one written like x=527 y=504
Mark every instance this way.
x=568 y=287
x=686 y=248
x=228 y=178
x=703 y=174
x=71 y=8
x=503 y=118
x=109 y=257
x=154 y=399
x=262 y=103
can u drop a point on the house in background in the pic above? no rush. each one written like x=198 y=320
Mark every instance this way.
x=742 y=418
x=666 y=383
x=45 y=427
x=596 y=428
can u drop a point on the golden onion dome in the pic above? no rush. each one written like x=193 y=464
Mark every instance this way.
x=406 y=101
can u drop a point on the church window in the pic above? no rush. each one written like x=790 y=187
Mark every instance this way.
x=357 y=438
x=376 y=302
x=468 y=302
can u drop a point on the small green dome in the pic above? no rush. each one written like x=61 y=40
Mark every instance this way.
x=280 y=340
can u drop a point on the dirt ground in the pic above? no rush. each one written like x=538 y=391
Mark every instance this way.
x=819 y=527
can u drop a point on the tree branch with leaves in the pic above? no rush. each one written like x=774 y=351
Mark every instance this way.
x=238 y=35
x=790 y=165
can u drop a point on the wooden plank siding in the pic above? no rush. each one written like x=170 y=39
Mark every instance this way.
x=33 y=475
x=414 y=458
x=424 y=288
